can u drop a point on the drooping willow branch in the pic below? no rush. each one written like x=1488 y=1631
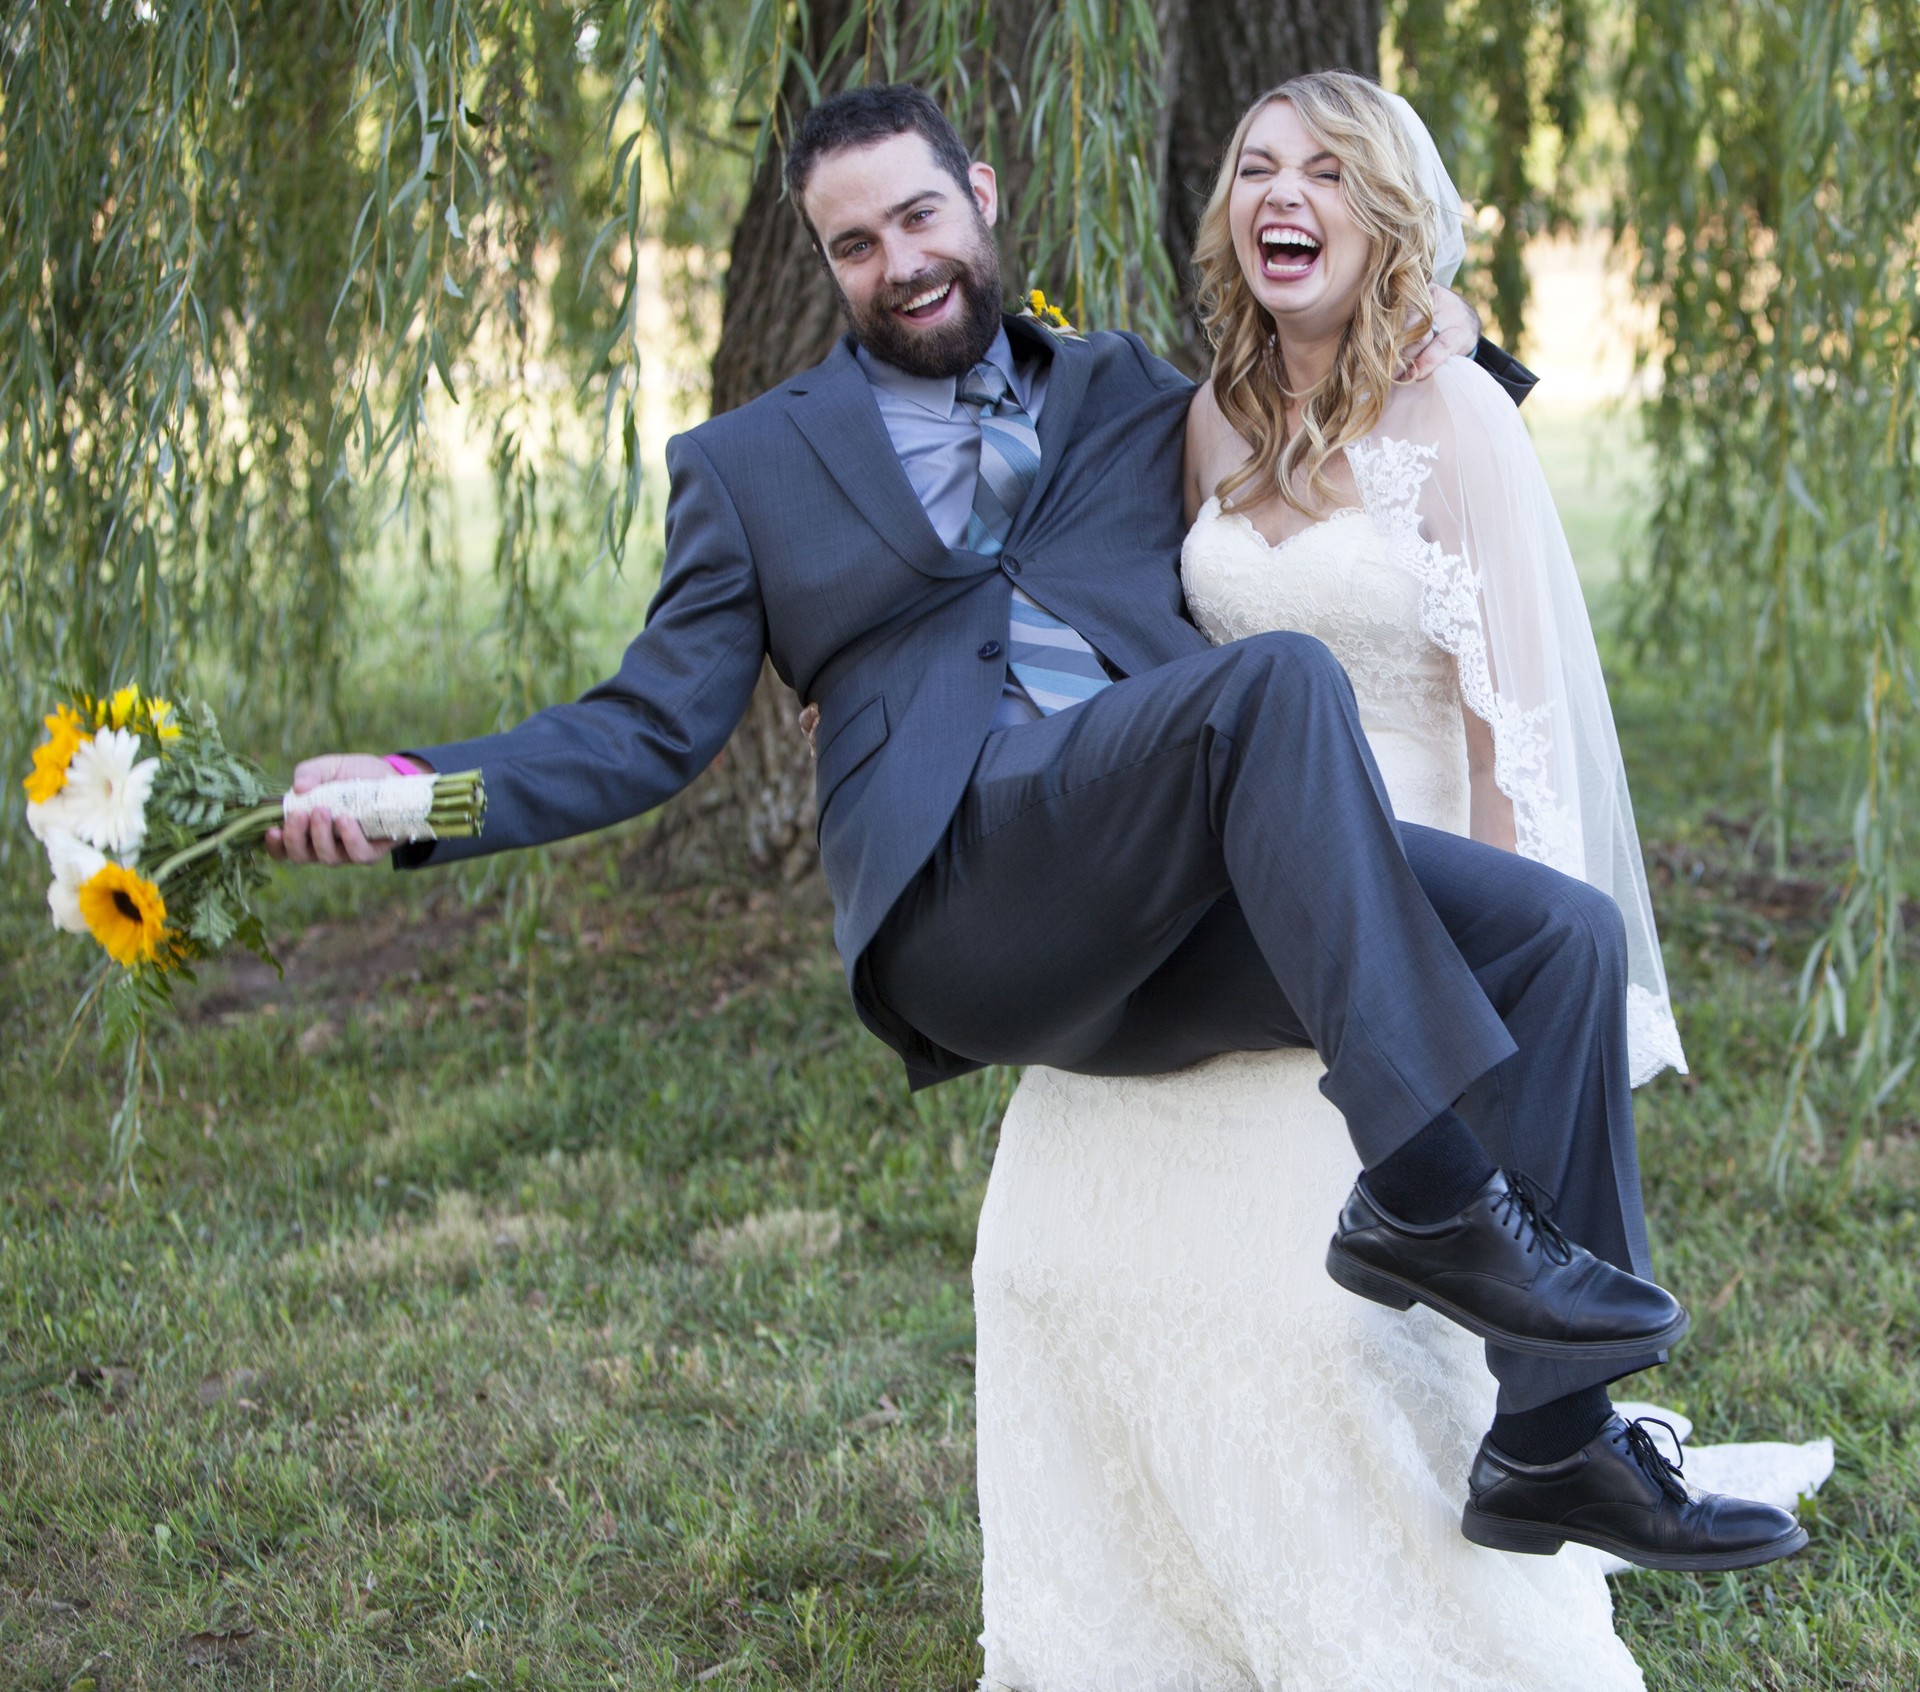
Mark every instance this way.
x=1776 y=219
x=249 y=249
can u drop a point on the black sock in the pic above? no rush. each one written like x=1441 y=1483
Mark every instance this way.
x=1433 y=1175
x=1556 y=1429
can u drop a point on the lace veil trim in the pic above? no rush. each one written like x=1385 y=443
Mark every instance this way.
x=1532 y=765
x=1390 y=474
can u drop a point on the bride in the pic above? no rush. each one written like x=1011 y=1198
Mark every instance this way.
x=1202 y=1464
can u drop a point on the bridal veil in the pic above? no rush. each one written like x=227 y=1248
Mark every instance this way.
x=1450 y=475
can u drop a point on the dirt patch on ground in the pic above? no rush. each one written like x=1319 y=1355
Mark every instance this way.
x=335 y=963
x=750 y=936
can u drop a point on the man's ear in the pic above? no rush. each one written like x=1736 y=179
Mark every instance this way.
x=986 y=192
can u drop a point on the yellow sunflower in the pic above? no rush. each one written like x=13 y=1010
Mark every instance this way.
x=53 y=755
x=125 y=913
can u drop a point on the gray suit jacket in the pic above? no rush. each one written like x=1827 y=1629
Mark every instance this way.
x=792 y=531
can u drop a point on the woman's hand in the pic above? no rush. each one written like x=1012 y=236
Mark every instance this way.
x=1490 y=819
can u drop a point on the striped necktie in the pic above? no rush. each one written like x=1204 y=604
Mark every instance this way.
x=1047 y=657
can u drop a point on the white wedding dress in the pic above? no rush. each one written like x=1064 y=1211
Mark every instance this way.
x=1203 y=1467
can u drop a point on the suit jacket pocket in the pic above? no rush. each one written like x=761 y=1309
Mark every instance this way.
x=855 y=741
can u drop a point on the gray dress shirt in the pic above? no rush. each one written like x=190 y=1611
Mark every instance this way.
x=938 y=443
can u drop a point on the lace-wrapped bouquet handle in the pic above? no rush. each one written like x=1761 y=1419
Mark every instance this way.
x=152 y=831
x=406 y=808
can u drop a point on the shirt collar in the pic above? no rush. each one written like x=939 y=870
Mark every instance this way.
x=936 y=393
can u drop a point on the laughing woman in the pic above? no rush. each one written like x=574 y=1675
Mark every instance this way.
x=1203 y=1464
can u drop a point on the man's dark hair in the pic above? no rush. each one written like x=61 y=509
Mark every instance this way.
x=858 y=117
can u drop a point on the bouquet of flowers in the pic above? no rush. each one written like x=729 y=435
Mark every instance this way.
x=151 y=828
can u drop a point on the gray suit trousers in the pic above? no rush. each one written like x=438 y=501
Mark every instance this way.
x=1202 y=859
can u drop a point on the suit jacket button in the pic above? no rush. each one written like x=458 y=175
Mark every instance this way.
x=1011 y=566
x=990 y=650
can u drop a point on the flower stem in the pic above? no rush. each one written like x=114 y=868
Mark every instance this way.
x=255 y=822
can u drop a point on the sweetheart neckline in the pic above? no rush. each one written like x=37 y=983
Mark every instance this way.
x=1274 y=549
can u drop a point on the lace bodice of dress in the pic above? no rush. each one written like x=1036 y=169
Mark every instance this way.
x=1338 y=582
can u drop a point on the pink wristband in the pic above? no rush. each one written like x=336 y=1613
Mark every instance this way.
x=405 y=765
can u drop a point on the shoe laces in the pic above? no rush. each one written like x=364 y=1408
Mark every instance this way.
x=1654 y=1462
x=1531 y=1212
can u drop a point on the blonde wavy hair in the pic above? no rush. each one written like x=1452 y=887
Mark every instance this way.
x=1350 y=117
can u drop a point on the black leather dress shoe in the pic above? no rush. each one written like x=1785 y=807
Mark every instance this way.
x=1619 y=1492
x=1502 y=1270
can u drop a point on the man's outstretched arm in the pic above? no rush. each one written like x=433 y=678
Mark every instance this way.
x=630 y=743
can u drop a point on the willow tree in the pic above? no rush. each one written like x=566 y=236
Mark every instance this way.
x=244 y=244
x=1775 y=212
x=248 y=243
x=1503 y=85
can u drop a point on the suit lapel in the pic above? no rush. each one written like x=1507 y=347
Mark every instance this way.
x=833 y=408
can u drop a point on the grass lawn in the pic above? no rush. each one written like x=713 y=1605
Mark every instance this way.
x=616 y=1333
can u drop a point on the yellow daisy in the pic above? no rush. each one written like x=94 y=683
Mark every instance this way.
x=49 y=772
x=125 y=702
x=125 y=913
x=53 y=755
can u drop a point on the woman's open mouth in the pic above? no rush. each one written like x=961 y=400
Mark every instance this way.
x=1286 y=252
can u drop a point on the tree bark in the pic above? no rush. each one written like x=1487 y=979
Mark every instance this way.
x=1221 y=56
x=752 y=812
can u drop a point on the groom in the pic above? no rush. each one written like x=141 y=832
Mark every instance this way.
x=1061 y=828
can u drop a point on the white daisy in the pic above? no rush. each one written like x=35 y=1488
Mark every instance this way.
x=74 y=862
x=48 y=816
x=106 y=791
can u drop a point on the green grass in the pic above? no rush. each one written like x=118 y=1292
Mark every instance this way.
x=424 y=1362
x=616 y=1332
x=1592 y=457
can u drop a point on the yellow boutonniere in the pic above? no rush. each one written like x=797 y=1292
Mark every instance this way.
x=1043 y=310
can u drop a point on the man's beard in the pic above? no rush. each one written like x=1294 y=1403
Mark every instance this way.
x=958 y=344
